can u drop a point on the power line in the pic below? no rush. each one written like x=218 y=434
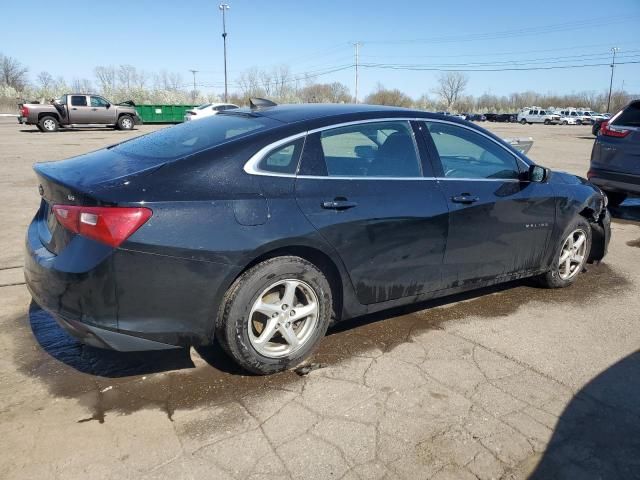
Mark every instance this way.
x=506 y=69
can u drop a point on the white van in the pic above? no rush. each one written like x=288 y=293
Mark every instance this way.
x=538 y=115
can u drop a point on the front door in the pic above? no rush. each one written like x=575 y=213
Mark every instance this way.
x=362 y=187
x=498 y=223
x=101 y=111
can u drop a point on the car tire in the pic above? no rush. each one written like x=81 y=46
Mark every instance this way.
x=578 y=122
x=523 y=121
x=565 y=122
x=547 y=122
x=615 y=198
x=563 y=274
x=253 y=325
x=48 y=124
x=125 y=122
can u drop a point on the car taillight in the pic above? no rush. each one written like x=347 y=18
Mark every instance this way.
x=609 y=131
x=24 y=111
x=190 y=112
x=109 y=225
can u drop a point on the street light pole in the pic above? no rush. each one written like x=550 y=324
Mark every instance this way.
x=223 y=7
x=193 y=92
x=613 y=66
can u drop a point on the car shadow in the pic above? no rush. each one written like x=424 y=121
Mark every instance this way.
x=598 y=434
x=629 y=210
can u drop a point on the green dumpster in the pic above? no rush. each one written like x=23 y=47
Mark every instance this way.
x=162 y=113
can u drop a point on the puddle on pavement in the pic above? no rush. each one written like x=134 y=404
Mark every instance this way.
x=634 y=243
x=109 y=383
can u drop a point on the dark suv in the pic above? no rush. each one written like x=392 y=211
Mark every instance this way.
x=615 y=158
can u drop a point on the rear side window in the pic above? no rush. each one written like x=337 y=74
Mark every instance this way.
x=466 y=154
x=283 y=159
x=192 y=137
x=78 y=101
x=630 y=116
x=381 y=149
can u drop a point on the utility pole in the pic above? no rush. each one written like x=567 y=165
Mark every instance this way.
x=193 y=92
x=357 y=45
x=224 y=7
x=614 y=50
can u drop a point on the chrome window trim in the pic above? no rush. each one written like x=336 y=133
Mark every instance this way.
x=251 y=165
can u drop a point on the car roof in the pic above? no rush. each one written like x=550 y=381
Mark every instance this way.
x=292 y=113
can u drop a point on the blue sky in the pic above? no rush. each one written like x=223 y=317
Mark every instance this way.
x=71 y=37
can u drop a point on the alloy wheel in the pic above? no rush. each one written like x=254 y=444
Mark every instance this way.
x=283 y=318
x=49 y=124
x=573 y=254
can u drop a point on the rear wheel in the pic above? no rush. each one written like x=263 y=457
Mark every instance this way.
x=48 y=124
x=616 y=198
x=275 y=314
x=571 y=256
x=523 y=121
x=125 y=122
x=564 y=122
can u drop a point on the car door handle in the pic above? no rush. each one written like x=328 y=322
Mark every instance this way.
x=338 y=204
x=74 y=108
x=94 y=109
x=464 y=198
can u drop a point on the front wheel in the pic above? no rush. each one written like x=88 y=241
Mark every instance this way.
x=547 y=122
x=565 y=122
x=125 y=122
x=275 y=314
x=571 y=256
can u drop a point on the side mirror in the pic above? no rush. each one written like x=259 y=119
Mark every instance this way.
x=538 y=174
x=108 y=105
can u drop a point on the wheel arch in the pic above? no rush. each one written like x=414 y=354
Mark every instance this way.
x=41 y=115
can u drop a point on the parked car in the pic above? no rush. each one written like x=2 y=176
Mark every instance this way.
x=537 y=115
x=564 y=120
x=595 y=127
x=207 y=110
x=506 y=117
x=491 y=117
x=260 y=227
x=614 y=158
x=79 y=110
x=477 y=117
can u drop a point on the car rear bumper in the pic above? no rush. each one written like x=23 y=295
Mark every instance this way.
x=122 y=299
x=614 y=181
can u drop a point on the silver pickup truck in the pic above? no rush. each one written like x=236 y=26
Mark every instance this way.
x=79 y=110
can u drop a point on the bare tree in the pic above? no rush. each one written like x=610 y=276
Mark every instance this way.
x=45 y=80
x=81 y=85
x=106 y=77
x=325 y=92
x=12 y=73
x=450 y=86
x=250 y=83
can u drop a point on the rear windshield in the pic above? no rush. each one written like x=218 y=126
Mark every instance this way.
x=193 y=137
x=630 y=116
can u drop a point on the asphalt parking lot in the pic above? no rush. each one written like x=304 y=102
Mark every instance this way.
x=508 y=382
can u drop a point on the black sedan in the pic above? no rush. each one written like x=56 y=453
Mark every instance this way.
x=260 y=227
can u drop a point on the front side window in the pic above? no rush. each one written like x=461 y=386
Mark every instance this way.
x=98 y=102
x=380 y=149
x=78 y=101
x=283 y=159
x=466 y=154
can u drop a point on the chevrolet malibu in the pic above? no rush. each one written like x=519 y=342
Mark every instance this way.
x=260 y=227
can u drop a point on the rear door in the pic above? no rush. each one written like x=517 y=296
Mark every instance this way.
x=79 y=109
x=498 y=224
x=362 y=186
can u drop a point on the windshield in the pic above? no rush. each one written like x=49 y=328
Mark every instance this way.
x=202 y=107
x=192 y=137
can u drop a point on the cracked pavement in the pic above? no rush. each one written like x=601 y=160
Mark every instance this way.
x=509 y=382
